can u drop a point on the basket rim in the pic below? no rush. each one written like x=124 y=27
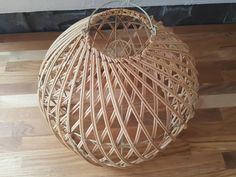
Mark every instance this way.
x=122 y=12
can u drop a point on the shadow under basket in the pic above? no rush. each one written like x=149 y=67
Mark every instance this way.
x=114 y=90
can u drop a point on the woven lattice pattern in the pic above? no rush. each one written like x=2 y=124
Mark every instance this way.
x=116 y=94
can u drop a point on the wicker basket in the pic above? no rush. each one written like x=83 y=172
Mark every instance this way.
x=116 y=90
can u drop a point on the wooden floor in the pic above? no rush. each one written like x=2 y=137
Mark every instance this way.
x=206 y=149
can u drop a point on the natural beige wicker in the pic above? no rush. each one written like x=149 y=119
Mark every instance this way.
x=116 y=92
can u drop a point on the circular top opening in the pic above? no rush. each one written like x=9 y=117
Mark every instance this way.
x=119 y=32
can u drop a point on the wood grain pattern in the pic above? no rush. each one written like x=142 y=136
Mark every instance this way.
x=206 y=149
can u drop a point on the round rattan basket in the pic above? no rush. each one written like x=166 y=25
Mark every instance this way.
x=117 y=87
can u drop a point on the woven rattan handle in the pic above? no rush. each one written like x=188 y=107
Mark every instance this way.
x=153 y=27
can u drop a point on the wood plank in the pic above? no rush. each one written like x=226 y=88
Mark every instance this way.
x=25 y=45
x=15 y=101
x=207 y=115
x=26 y=55
x=22 y=122
x=214 y=146
x=230 y=159
x=229 y=75
x=24 y=66
x=217 y=88
x=205 y=28
x=18 y=77
x=217 y=101
x=35 y=36
x=18 y=88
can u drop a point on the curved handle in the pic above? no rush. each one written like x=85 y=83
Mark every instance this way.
x=153 y=28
